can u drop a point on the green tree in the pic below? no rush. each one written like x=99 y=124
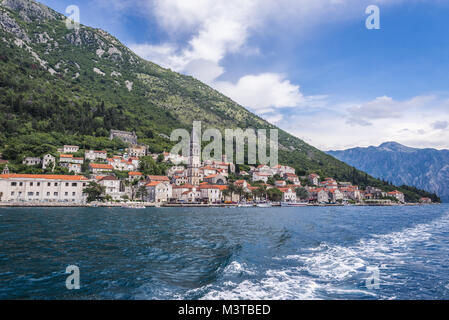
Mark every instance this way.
x=274 y=194
x=142 y=193
x=94 y=191
x=301 y=193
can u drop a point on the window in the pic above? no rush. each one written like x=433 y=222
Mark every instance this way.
x=48 y=194
x=74 y=184
x=66 y=194
x=56 y=184
x=13 y=184
x=37 y=193
x=31 y=184
x=20 y=184
x=73 y=193
x=49 y=184
x=30 y=193
x=12 y=193
x=66 y=184
x=55 y=194
x=38 y=184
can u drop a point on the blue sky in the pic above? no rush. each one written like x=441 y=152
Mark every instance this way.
x=309 y=66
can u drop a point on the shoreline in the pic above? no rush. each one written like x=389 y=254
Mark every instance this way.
x=192 y=205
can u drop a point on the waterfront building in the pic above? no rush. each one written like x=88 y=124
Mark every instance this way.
x=43 y=188
x=288 y=194
x=159 y=191
x=398 y=195
x=112 y=186
x=210 y=193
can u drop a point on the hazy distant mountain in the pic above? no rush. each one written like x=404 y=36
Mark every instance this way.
x=426 y=169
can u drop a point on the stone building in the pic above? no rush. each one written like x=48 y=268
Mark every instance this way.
x=125 y=136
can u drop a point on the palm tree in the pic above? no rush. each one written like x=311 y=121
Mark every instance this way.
x=94 y=191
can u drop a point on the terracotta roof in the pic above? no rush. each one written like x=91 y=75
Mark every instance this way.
x=159 y=178
x=109 y=178
x=42 y=176
x=101 y=166
x=153 y=183
x=209 y=186
x=66 y=155
x=211 y=176
x=134 y=173
x=184 y=186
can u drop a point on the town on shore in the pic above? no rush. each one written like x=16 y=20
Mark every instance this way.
x=101 y=178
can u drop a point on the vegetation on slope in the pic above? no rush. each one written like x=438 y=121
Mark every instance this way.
x=61 y=86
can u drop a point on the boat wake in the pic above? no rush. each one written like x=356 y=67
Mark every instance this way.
x=335 y=272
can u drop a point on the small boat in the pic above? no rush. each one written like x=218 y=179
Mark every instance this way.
x=246 y=205
x=264 y=205
x=133 y=206
x=294 y=204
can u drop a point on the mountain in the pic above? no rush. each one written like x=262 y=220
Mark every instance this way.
x=71 y=86
x=426 y=169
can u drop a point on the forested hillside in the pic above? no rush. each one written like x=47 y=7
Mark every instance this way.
x=71 y=86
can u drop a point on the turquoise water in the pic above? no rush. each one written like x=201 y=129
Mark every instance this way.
x=226 y=253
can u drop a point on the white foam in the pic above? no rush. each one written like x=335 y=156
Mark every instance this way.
x=323 y=269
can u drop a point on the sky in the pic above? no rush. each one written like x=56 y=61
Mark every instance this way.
x=311 y=67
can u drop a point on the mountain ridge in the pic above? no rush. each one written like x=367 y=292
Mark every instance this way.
x=71 y=86
x=426 y=168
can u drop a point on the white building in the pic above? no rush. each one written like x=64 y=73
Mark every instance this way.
x=137 y=151
x=94 y=155
x=158 y=191
x=42 y=188
x=112 y=187
x=74 y=167
x=288 y=194
x=260 y=176
x=211 y=193
x=32 y=161
x=70 y=149
x=48 y=162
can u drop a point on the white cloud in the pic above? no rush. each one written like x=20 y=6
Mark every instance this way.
x=385 y=108
x=415 y=122
x=263 y=91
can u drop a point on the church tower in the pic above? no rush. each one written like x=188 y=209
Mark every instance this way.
x=193 y=168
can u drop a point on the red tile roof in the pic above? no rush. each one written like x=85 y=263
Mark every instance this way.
x=159 y=178
x=101 y=166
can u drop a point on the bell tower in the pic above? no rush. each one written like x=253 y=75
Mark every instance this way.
x=193 y=168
